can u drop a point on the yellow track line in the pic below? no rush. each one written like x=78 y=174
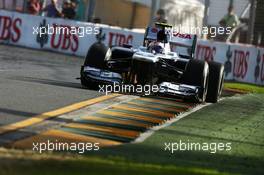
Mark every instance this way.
x=166 y=102
x=58 y=136
x=116 y=121
x=138 y=109
x=110 y=130
x=173 y=109
x=131 y=116
x=54 y=113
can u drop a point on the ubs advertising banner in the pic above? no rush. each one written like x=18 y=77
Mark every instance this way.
x=60 y=35
x=243 y=63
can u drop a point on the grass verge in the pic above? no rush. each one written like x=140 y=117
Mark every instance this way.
x=238 y=120
x=244 y=87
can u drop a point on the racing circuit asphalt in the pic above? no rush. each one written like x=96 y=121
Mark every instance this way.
x=33 y=82
x=42 y=99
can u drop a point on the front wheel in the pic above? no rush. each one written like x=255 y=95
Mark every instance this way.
x=95 y=58
x=197 y=74
x=216 y=81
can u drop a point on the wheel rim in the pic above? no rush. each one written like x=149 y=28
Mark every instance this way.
x=205 y=82
x=221 y=85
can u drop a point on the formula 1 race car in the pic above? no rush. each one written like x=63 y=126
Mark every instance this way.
x=166 y=59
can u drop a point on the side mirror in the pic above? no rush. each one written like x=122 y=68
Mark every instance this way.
x=108 y=55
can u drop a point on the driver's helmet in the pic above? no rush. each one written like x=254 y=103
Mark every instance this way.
x=155 y=47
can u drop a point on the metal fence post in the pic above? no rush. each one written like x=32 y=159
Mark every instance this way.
x=250 y=34
x=91 y=8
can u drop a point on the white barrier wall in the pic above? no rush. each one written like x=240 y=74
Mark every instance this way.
x=18 y=29
x=242 y=63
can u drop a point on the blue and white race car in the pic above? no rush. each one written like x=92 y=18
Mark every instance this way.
x=166 y=59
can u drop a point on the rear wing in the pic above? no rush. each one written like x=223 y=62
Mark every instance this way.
x=152 y=32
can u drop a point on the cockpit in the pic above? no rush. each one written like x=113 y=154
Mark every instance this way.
x=162 y=39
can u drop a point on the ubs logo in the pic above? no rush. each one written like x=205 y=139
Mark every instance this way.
x=259 y=68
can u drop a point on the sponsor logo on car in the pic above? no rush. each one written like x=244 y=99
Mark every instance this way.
x=184 y=36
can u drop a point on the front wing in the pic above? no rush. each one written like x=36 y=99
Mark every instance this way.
x=101 y=76
x=181 y=90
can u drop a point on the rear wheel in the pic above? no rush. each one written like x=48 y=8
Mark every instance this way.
x=216 y=79
x=96 y=55
x=197 y=74
x=121 y=53
x=120 y=62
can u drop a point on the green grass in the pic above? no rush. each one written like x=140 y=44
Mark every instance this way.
x=238 y=120
x=244 y=87
x=46 y=165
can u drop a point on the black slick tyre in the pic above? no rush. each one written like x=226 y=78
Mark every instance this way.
x=197 y=74
x=216 y=81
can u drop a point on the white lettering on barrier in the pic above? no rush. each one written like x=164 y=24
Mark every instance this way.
x=242 y=63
